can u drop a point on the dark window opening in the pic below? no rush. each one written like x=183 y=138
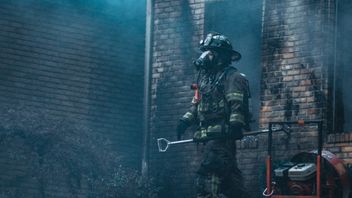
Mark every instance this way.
x=241 y=22
x=342 y=99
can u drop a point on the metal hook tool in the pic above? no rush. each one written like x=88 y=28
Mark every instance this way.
x=163 y=144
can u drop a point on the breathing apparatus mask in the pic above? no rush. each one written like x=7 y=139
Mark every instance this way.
x=206 y=60
x=216 y=50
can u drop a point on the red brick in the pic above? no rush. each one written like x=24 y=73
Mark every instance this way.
x=347 y=149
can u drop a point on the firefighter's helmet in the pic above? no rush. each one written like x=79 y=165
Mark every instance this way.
x=216 y=41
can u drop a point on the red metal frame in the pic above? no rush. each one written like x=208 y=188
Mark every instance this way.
x=292 y=196
x=269 y=160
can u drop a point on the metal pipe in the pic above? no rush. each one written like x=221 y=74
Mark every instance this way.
x=334 y=78
x=147 y=80
x=263 y=17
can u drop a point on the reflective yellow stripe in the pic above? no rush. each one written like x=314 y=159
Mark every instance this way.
x=203 y=133
x=214 y=129
x=235 y=117
x=234 y=96
x=188 y=116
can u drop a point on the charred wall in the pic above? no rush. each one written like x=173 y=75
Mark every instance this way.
x=71 y=88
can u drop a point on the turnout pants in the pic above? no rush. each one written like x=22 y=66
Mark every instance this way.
x=218 y=175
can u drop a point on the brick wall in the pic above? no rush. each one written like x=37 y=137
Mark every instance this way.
x=294 y=61
x=178 y=27
x=340 y=144
x=71 y=87
x=297 y=57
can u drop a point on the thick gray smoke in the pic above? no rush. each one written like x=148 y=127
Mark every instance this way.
x=343 y=67
x=240 y=21
x=71 y=91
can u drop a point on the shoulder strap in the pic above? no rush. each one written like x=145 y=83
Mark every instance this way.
x=223 y=74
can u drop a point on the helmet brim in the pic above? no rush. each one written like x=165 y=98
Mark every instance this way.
x=235 y=55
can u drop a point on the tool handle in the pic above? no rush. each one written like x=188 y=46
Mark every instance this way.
x=182 y=141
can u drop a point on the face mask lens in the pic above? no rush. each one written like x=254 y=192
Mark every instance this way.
x=210 y=56
x=207 y=40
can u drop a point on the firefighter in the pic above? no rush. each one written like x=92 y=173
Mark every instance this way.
x=220 y=113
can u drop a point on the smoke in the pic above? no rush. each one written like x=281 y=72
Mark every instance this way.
x=240 y=21
x=343 y=70
x=82 y=55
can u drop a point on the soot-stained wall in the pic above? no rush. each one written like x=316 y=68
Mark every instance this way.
x=71 y=89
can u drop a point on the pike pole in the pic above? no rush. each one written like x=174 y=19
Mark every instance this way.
x=163 y=143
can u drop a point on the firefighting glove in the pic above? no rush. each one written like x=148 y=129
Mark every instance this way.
x=181 y=128
x=200 y=136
